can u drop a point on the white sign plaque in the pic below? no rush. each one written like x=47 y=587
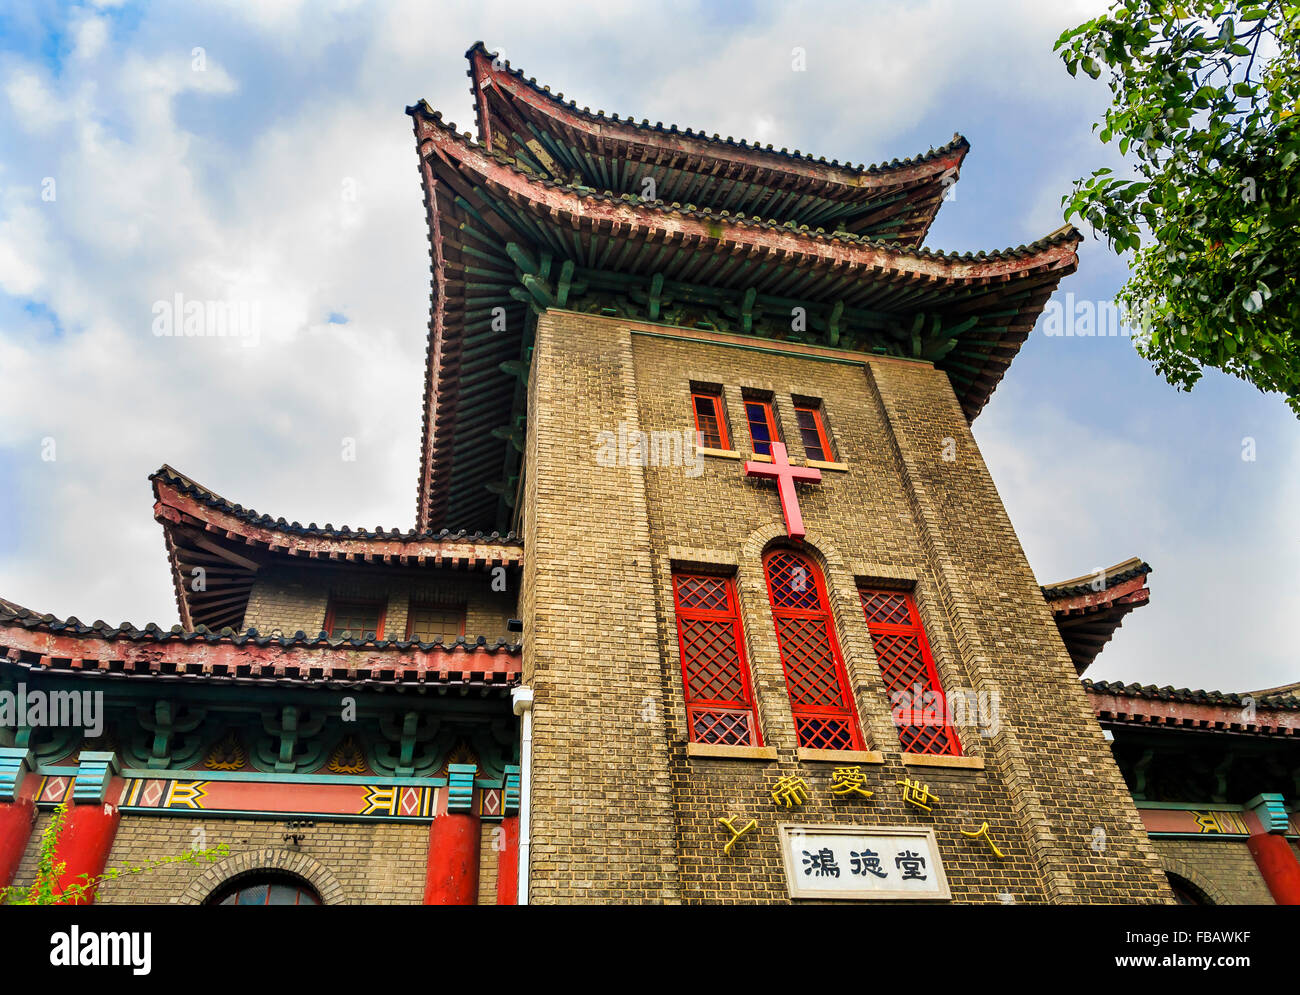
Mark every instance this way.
x=862 y=862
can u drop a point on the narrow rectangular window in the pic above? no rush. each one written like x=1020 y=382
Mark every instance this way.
x=762 y=426
x=915 y=693
x=426 y=623
x=812 y=429
x=715 y=677
x=709 y=422
x=358 y=618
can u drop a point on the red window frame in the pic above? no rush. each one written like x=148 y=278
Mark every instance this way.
x=353 y=603
x=819 y=427
x=768 y=417
x=706 y=626
x=715 y=402
x=903 y=652
x=815 y=677
x=416 y=606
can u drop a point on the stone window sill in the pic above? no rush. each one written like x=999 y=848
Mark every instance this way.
x=718 y=453
x=708 y=751
x=842 y=756
x=960 y=763
x=760 y=458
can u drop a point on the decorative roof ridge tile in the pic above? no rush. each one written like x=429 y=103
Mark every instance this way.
x=1065 y=233
x=1153 y=692
x=15 y=615
x=191 y=488
x=957 y=141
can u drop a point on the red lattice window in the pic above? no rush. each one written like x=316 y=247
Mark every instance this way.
x=911 y=680
x=814 y=669
x=715 y=678
x=709 y=423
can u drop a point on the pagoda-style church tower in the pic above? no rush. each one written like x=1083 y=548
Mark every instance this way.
x=817 y=623
x=710 y=595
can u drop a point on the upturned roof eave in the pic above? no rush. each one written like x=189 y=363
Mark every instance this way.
x=679 y=220
x=1090 y=609
x=862 y=177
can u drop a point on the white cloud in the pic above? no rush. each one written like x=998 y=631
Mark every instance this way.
x=32 y=102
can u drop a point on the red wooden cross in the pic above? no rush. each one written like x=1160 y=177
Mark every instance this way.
x=785 y=475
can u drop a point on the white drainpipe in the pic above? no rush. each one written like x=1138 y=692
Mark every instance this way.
x=522 y=699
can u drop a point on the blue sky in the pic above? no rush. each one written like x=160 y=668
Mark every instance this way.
x=276 y=164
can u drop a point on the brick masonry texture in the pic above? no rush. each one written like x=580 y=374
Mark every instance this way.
x=291 y=599
x=365 y=863
x=1223 y=869
x=620 y=812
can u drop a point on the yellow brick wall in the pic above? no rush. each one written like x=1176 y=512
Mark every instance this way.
x=290 y=599
x=1222 y=868
x=601 y=648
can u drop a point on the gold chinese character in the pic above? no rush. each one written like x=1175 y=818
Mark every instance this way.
x=735 y=833
x=848 y=781
x=983 y=831
x=790 y=791
x=916 y=793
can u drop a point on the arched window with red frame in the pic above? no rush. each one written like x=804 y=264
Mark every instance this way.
x=911 y=679
x=824 y=717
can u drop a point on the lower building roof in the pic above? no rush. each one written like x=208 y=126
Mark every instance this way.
x=1202 y=711
x=67 y=646
x=230 y=544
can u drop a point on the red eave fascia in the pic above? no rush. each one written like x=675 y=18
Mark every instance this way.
x=1132 y=593
x=484 y=73
x=91 y=654
x=1191 y=716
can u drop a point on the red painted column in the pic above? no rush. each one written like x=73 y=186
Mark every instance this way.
x=90 y=825
x=18 y=814
x=508 y=862
x=451 y=877
x=1277 y=866
x=88 y=834
x=17 y=818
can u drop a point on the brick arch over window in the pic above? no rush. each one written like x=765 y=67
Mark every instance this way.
x=219 y=875
x=815 y=676
x=1193 y=876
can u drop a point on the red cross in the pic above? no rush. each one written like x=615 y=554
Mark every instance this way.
x=785 y=475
